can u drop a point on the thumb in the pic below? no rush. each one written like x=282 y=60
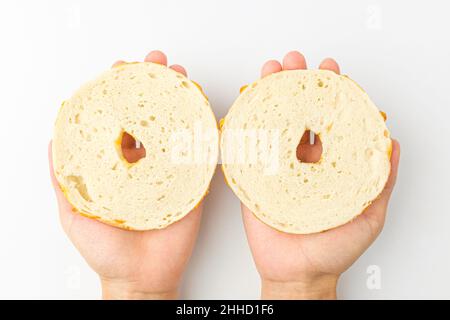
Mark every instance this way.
x=395 y=159
x=55 y=183
x=376 y=212
x=65 y=208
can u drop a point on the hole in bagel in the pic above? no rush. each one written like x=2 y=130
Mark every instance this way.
x=308 y=150
x=131 y=149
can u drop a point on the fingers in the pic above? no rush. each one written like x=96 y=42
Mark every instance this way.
x=294 y=60
x=330 y=64
x=159 y=57
x=270 y=67
x=156 y=56
x=65 y=208
x=118 y=63
x=59 y=195
x=179 y=69
x=383 y=199
x=52 y=172
x=375 y=214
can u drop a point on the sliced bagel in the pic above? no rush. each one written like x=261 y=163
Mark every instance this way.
x=259 y=140
x=170 y=118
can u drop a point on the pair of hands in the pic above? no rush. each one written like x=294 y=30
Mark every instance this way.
x=150 y=264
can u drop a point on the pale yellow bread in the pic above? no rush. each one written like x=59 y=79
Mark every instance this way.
x=155 y=105
x=298 y=197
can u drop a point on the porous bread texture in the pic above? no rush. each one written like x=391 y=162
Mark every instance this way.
x=154 y=104
x=298 y=197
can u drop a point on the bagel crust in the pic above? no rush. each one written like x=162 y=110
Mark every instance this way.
x=163 y=110
x=294 y=196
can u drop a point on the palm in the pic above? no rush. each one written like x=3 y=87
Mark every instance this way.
x=283 y=257
x=287 y=257
x=151 y=261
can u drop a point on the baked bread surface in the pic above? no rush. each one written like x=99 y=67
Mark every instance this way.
x=161 y=109
x=262 y=168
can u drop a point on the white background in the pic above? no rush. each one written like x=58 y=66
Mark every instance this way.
x=397 y=50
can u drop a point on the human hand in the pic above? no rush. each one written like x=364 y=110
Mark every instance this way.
x=308 y=266
x=132 y=264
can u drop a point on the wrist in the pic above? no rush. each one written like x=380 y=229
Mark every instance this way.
x=316 y=288
x=124 y=290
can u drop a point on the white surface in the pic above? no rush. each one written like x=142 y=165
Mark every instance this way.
x=397 y=50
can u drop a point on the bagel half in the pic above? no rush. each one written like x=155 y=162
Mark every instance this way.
x=262 y=130
x=171 y=118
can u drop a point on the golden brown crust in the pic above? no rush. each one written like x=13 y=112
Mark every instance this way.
x=390 y=150
x=200 y=88
x=121 y=224
x=221 y=121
